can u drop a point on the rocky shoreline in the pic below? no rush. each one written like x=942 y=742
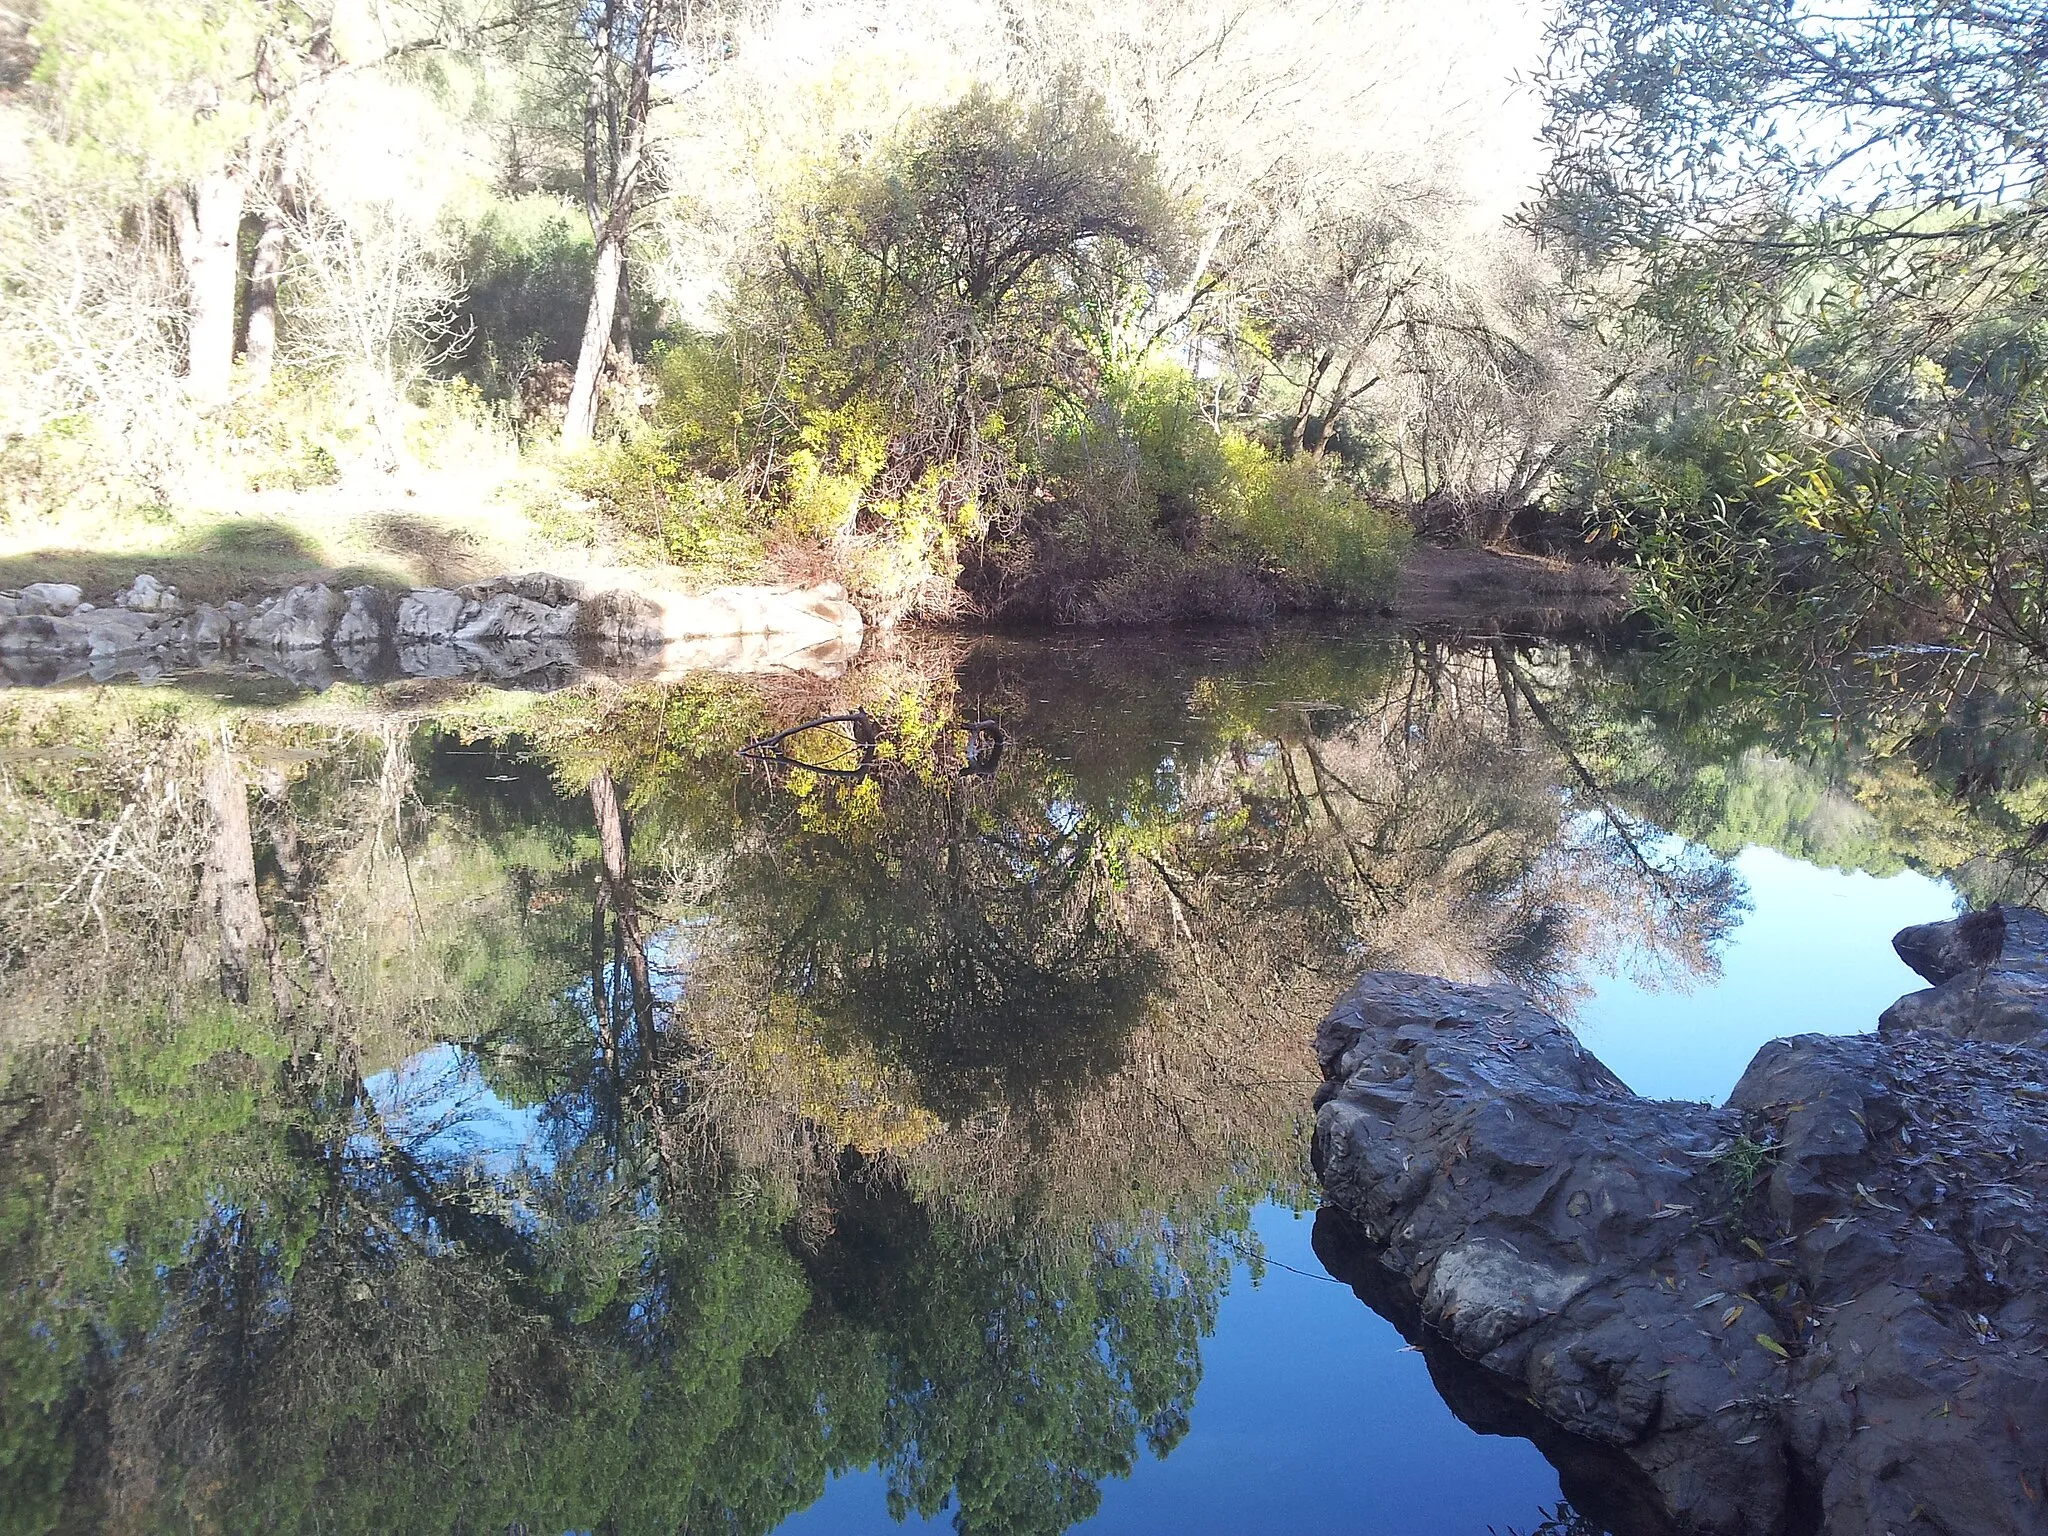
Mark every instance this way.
x=534 y=629
x=1819 y=1307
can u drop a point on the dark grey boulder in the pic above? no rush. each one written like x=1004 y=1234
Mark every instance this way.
x=208 y=629
x=111 y=632
x=1822 y=1306
x=432 y=613
x=39 y=634
x=541 y=587
x=99 y=633
x=1990 y=970
x=506 y=616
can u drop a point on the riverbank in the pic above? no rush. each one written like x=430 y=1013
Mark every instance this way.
x=454 y=531
x=1532 y=593
x=534 y=629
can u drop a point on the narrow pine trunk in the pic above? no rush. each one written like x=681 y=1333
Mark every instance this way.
x=622 y=325
x=608 y=199
x=581 y=423
x=259 y=343
x=209 y=224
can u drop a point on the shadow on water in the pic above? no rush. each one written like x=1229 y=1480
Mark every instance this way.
x=1604 y=1491
x=478 y=1112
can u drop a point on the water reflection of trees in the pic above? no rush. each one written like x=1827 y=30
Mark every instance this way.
x=907 y=1121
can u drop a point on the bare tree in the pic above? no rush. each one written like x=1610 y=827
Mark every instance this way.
x=1500 y=369
x=374 y=289
x=89 y=329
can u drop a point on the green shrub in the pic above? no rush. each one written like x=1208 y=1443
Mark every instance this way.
x=1149 y=515
x=705 y=406
x=526 y=263
x=1180 y=459
x=654 y=495
x=1700 y=503
x=1320 y=539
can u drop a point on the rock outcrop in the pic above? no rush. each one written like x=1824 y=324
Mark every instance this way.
x=302 y=619
x=1990 y=975
x=1820 y=1307
x=535 y=629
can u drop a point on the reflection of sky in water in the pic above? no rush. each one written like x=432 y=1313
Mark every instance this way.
x=437 y=1105
x=1813 y=956
x=1312 y=1417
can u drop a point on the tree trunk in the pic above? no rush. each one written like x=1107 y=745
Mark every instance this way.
x=622 y=323
x=302 y=897
x=208 y=219
x=608 y=199
x=614 y=847
x=259 y=345
x=1297 y=433
x=228 y=923
x=580 y=425
x=1336 y=402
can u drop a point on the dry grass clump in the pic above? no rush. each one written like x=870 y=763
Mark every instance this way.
x=100 y=838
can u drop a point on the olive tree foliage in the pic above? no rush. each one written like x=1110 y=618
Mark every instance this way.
x=921 y=310
x=1669 y=116
x=974 y=247
x=1787 y=175
x=1838 y=219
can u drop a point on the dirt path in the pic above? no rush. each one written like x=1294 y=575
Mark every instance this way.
x=1459 y=586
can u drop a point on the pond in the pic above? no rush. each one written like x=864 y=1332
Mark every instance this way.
x=425 y=1108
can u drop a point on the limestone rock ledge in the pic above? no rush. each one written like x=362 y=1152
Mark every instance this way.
x=1820 y=1307
x=514 y=628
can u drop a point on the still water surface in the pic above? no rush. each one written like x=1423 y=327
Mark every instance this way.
x=570 y=1126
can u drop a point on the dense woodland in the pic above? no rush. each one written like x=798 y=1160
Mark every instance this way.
x=1104 y=312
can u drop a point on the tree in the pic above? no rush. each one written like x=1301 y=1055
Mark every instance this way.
x=1342 y=284
x=201 y=108
x=967 y=272
x=155 y=98
x=1837 y=221
x=363 y=262
x=631 y=43
x=1671 y=117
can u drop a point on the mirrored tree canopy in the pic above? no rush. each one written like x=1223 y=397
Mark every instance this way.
x=536 y=1112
